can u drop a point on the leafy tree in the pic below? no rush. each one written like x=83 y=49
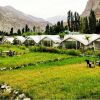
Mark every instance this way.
x=86 y=26
x=62 y=26
x=19 y=32
x=98 y=27
x=69 y=20
x=11 y=31
x=76 y=21
x=26 y=28
x=73 y=21
x=51 y=30
x=34 y=28
x=47 y=30
x=23 y=30
x=92 y=22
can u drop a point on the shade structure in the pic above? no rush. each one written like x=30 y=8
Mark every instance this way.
x=7 y=39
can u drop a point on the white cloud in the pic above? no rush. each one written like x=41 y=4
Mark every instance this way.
x=46 y=8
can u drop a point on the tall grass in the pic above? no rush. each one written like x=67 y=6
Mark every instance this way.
x=29 y=58
x=74 y=81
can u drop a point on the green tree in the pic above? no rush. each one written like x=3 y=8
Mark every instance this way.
x=34 y=29
x=76 y=21
x=19 y=32
x=62 y=26
x=92 y=22
x=11 y=31
x=98 y=27
x=23 y=30
x=47 y=30
x=82 y=25
x=86 y=26
x=27 y=28
x=69 y=20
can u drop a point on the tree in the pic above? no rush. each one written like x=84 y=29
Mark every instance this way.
x=98 y=27
x=19 y=32
x=11 y=31
x=86 y=26
x=76 y=21
x=51 y=30
x=82 y=25
x=69 y=19
x=62 y=26
x=47 y=30
x=26 y=28
x=92 y=22
x=34 y=28
x=23 y=30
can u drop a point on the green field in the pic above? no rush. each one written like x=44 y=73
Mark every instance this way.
x=56 y=80
x=68 y=78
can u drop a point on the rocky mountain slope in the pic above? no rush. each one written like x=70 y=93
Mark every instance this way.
x=94 y=5
x=10 y=17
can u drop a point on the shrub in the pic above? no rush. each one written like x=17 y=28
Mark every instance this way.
x=55 y=50
x=97 y=53
x=89 y=52
x=73 y=52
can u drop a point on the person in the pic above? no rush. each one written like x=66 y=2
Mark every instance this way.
x=10 y=53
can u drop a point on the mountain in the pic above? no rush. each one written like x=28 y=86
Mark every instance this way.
x=10 y=17
x=55 y=19
x=95 y=6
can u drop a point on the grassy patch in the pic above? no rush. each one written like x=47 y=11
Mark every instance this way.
x=29 y=58
x=74 y=81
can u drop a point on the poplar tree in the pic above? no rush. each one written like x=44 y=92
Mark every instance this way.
x=92 y=22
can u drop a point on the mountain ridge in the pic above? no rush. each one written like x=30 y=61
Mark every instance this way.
x=10 y=17
x=92 y=5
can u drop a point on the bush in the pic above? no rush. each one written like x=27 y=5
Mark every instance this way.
x=97 y=53
x=73 y=52
x=89 y=52
x=55 y=50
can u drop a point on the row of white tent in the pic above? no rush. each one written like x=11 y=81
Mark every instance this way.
x=84 y=39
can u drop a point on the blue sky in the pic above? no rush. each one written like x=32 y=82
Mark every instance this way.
x=46 y=8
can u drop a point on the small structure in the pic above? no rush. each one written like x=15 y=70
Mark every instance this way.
x=74 y=41
x=33 y=40
x=19 y=40
x=94 y=41
x=7 y=40
x=51 y=41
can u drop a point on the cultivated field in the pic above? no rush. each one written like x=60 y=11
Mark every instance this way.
x=68 y=78
x=68 y=81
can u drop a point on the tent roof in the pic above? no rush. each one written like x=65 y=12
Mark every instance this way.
x=9 y=39
x=35 y=38
x=54 y=38
x=20 y=38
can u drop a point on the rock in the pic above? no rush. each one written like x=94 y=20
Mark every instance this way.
x=94 y=5
x=15 y=92
x=26 y=99
x=3 y=86
x=21 y=96
x=8 y=89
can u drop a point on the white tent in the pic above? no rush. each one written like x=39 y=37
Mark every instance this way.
x=93 y=37
x=35 y=38
x=79 y=38
x=54 y=40
x=20 y=39
x=8 y=40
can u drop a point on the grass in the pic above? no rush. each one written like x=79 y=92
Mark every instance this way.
x=18 y=49
x=72 y=80
x=29 y=58
x=65 y=79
